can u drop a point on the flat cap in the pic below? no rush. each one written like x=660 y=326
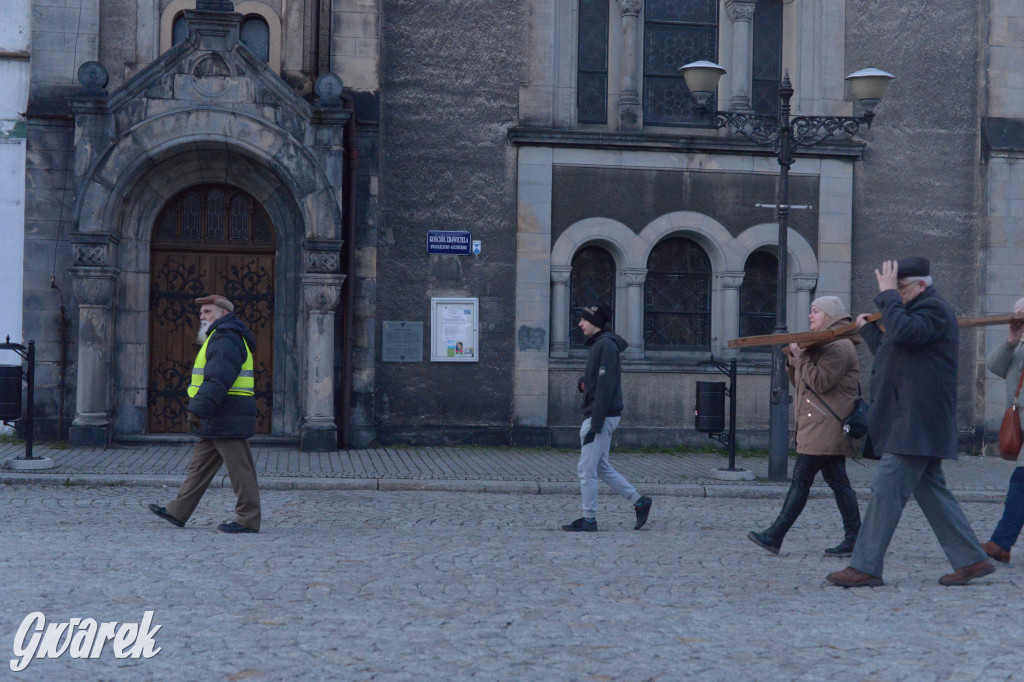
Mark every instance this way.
x=217 y=300
x=915 y=266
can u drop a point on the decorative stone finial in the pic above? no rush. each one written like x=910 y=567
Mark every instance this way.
x=328 y=89
x=93 y=77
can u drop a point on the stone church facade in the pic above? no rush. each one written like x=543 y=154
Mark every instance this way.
x=295 y=155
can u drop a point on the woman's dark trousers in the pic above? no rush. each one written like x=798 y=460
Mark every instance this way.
x=1008 y=529
x=833 y=469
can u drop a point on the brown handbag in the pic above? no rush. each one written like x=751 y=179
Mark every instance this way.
x=1010 y=437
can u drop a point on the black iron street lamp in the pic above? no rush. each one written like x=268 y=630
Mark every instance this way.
x=784 y=135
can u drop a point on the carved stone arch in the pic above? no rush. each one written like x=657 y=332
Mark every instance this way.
x=159 y=138
x=705 y=230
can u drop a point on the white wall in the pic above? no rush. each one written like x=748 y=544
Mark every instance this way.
x=14 y=77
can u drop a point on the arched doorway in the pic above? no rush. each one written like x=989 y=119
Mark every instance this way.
x=209 y=238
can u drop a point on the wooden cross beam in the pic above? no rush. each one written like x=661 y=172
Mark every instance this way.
x=805 y=339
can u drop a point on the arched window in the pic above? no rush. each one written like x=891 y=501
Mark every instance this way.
x=677 y=297
x=767 y=62
x=255 y=35
x=592 y=62
x=592 y=281
x=758 y=295
x=676 y=32
x=179 y=29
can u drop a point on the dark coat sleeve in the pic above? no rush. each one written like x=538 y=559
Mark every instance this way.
x=224 y=357
x=910 y=329
x=607 y=370
x=872 y=336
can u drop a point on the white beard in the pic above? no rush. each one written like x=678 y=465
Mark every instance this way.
x=201 y=334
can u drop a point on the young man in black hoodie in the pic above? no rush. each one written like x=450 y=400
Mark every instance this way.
x=222 y=412
x=601 y=386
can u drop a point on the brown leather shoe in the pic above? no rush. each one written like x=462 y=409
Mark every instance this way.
x=962 y=576
x=851 y=577
x=996 y=552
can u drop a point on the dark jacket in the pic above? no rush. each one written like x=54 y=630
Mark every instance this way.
x=913 y=380
x=602 y=379
x=222 y=415
x=832 y=371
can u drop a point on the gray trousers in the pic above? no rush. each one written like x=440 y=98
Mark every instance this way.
x=594 y=466
x=897 y=477
x=236 y=456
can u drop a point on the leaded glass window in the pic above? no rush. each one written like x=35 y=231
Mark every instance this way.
x=676 y=32
x=767 y=58
x=212 y=217
x=592 y=70
x=677 y=297
x=592 y=281
x=758 y=294
x=255 y=35
x=179 y=29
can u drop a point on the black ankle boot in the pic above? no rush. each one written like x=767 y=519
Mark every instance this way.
x=766 y=540
x=843 y=549
x=847 y=503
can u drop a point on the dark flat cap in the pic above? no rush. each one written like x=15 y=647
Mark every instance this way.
x=915 y=266
x=217 y=300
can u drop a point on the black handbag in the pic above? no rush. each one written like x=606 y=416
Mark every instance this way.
x=855 y=425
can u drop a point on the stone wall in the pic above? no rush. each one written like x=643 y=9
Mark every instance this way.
x=916 y=192
x=449 y=91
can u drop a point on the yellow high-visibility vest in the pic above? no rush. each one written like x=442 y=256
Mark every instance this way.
x=245 y=384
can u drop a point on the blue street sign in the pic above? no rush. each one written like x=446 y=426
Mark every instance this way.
x=449 y=243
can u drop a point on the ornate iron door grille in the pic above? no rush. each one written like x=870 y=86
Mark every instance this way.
x=207 y=239
x=677 y=297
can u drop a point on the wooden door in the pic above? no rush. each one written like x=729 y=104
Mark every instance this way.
x=208 y=239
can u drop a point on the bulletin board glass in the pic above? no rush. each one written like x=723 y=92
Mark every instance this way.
x=454 y=330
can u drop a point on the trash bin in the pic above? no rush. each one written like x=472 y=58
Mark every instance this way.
x=709 y=411
x=10 y=392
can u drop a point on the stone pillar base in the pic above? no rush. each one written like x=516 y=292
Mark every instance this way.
x=89 y=436
x=319 y=439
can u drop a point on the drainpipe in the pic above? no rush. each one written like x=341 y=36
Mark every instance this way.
x=349 y=255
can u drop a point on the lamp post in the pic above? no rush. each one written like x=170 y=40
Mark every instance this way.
x=784 y=135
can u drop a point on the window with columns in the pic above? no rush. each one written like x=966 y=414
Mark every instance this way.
x=592 y=281
x=676 y=32
x=677 y=297
x=659 y=36
x=758 y=294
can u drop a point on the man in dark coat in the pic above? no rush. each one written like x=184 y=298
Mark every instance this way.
x=222 y=411
x=601 y=386
x=912 y=425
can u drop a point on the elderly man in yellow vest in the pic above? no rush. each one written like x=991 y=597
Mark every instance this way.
x=222 y=411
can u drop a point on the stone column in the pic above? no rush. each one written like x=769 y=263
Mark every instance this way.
x=741 y=13
x=320 y=293
x=630 y=112
x=560 y=311
x=634 y=281
x=731 y=283
x=94 y=291
x=804 y=284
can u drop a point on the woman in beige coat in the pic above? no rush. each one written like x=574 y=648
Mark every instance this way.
x=825 y=376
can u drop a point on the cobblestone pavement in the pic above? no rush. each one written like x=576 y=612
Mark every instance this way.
x=465 y=469
x=366 y=585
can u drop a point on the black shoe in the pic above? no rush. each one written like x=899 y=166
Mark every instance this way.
x=843 y=549
x=162 y=513
x=581 y=526
x=235 y=528
x=764 y=542
x=643 y=510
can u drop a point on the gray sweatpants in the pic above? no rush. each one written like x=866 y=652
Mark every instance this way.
x=897 y=477
x=594 y=466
